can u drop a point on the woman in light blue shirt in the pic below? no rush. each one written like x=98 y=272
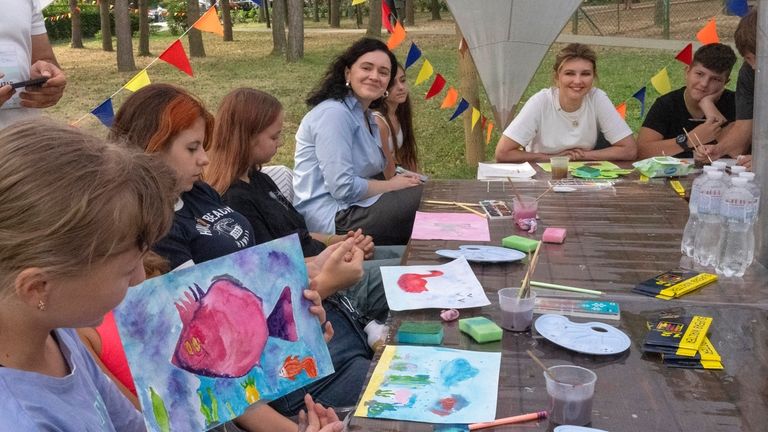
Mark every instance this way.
x=338 y=181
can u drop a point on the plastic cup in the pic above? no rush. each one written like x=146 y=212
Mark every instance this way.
x=570 y=394
x=525 y=209
x=559 y=166
x=516 y=314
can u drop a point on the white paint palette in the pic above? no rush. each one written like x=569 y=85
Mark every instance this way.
x=589 y=338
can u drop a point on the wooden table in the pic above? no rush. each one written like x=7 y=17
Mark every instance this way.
x=616 y=238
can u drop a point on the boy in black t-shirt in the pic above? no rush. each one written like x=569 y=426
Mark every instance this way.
x=702 y=107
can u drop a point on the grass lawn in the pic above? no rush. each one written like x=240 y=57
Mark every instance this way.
x=92 y=77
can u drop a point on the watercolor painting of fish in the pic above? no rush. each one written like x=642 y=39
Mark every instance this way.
x=207 y=341
x=432 y=385
x=448 y=286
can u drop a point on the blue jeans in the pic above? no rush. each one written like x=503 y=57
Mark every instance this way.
x=368 y=295
x=351 y=359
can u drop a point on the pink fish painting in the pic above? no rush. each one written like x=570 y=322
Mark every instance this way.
x=224 y=330
x=416 y=283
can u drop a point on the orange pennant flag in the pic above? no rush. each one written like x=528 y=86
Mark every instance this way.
x=708 y=33
x=397 y=37
x=488 y=132
x=210 y=23
x=622 y=109
x=451 y=97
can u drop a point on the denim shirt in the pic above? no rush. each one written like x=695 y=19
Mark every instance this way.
x=336 y=154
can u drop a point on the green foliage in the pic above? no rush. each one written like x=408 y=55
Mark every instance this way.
x=59 y=24
x=177 y=16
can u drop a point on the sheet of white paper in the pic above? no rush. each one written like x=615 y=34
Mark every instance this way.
x=500 y=171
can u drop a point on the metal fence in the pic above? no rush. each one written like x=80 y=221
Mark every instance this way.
x=657 y=19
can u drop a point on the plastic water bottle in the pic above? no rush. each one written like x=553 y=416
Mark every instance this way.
x=692 y=226
x=734 y=252
x=721 y=166
x=752 y=212
x=737 y=169
x=706 y=246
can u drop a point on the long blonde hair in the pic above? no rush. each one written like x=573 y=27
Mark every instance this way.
x=70 y=199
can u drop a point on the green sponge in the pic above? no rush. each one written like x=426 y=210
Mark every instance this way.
x=481 y=329
x=522 y=244
x=420 y=333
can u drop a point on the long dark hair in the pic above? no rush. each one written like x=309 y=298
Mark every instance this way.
x=408 y=154
x=333 y=84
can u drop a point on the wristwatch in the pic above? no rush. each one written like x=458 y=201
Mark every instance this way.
x=682 y=141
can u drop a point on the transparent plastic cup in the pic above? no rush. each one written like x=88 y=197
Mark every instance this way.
x=516 y=314
x=559 y=166
x=570 y=394
x=525 y=209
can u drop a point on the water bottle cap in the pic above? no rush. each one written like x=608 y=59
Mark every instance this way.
x=720 y=165
x=737 y=169
x=747 y=175
x=740 y=181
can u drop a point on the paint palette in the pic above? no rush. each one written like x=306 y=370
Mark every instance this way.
x=482 y=253
x=569 y=428
x=588 y=338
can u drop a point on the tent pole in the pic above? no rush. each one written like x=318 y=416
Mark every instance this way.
x=760 y=133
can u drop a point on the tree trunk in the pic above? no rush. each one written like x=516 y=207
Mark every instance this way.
x=266 y=13
x=125 y=61
x=435 y=10
x=335 y=13
x=226 y=15
x=473 y=138
x=409 y=12
x=358 y=16
x=144 y=28
x=76 y=27
x=295 y=30
x=106 y=30
x=316 y=17
x=278 y=27
x=374 y=19
x=196 y=48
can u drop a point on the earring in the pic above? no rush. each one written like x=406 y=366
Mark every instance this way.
x=346 y=84
x=386 y=93
x=41 y=306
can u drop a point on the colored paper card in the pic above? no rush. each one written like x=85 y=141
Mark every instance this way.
x=450 y=99
x=105 y=113
x=176 y=56
x=138 y=81
x=601 y=165
x=207 y=341
x=661 y=82
x=450 y=226
x=622 y=109
x=737 y=7
x=685 y=55
x=425 y=72
x=640 y=96
x=397 y=37
x=451 y=285
x=488 y=132
x=437 y=86
x=210 y=23
x=708 y=33
x=463 y=105
x=432 y=385
x=357 y=2
x=414 y=53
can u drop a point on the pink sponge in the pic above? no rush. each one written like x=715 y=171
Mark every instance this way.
x=553 y=235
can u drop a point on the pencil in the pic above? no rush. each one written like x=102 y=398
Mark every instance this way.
x=482 y=215
x=541 y=415
x=565 y=288
x=451 y=203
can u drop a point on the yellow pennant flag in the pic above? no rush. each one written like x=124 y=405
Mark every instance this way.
x=357 y=2
x=397 y=37
x=425 y=72
x=488 y=132
x=661 y=82
x=138 y=81
x=451 y=97
x=475 y=116
x=210 y=23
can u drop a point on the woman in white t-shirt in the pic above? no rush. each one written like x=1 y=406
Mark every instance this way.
x=567 y=119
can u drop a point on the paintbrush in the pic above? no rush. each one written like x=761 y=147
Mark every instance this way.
x=540 y=363
x=525 y=287
x=451 y=203
x=701 y=147
x=517 y=194
x=695 y=147
x=545 y=192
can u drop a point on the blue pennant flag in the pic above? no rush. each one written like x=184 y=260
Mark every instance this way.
x=105 y=113
x=463 y=105
x=640 y=95
x=737 y=7
x=413 y=54
x=256 y=2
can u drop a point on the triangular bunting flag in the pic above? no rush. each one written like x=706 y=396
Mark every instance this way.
x=425 y=72
x=475 y=116
x=414 y=53
x=210 y=23
x=138 y=81
x=258 y=2
x=622 y=109
x=661 y=82
x=463 y=105
x=737 y=7
x=397 y=37
x=451 y=96
x=483 y=120
x=686 y=55
x=437 y=86
x=708 y=33
x=640 y=95
x=488 y=132
x=385 y=13
x=176 y=56
x=105 y=113
x=357 y=2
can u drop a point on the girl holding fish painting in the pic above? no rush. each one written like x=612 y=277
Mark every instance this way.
x=174 y=126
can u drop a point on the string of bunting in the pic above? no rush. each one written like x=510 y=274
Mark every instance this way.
x=173 y=55
x=660 y=81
